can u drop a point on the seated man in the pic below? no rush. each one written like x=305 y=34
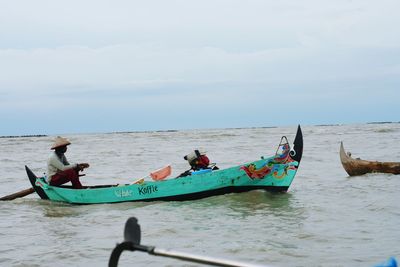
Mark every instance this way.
x=198 y=160
x=59 y=171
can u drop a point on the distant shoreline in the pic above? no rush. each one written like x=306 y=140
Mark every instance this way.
x=171 y=130
x=22 y=136
x=381 y=122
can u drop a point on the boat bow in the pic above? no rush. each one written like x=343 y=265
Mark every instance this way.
x=297 y=151
x=32 y=179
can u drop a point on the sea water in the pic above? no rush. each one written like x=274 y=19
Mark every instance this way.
x=325 y=219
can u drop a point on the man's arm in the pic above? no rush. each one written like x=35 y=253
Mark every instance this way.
x=55 y=162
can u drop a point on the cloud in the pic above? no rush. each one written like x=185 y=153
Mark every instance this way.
x=163 y=59
x=138 y=67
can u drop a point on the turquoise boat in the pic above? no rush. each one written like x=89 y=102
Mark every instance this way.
x=274 y=173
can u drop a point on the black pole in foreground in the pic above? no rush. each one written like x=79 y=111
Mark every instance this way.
x=132 y=242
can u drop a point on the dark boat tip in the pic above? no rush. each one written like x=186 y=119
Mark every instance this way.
x=32 y=178
x=297 y=152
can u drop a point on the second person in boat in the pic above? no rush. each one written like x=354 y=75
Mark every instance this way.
x=198 y=160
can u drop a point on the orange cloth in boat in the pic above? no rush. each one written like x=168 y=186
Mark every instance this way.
x=161 y=174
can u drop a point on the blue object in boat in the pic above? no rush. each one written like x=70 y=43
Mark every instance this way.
x=391 y=262
x=201 y=171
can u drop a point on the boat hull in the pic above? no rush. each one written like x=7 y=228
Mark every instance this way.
x=356 y=167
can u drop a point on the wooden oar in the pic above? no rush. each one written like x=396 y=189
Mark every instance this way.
x=132 y=243
x=18 y=194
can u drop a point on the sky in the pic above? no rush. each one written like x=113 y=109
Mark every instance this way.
x=106 y=66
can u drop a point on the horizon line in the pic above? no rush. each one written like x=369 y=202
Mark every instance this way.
x=182 y=130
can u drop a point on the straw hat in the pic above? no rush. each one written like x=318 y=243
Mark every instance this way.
x=60 y=141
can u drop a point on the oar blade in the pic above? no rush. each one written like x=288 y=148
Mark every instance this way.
x=132 y=231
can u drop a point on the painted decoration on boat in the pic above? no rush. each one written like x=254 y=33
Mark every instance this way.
x=284 y=173
x=255 y=173
x=271 y=167
x=284 y=156
x=41 y=183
